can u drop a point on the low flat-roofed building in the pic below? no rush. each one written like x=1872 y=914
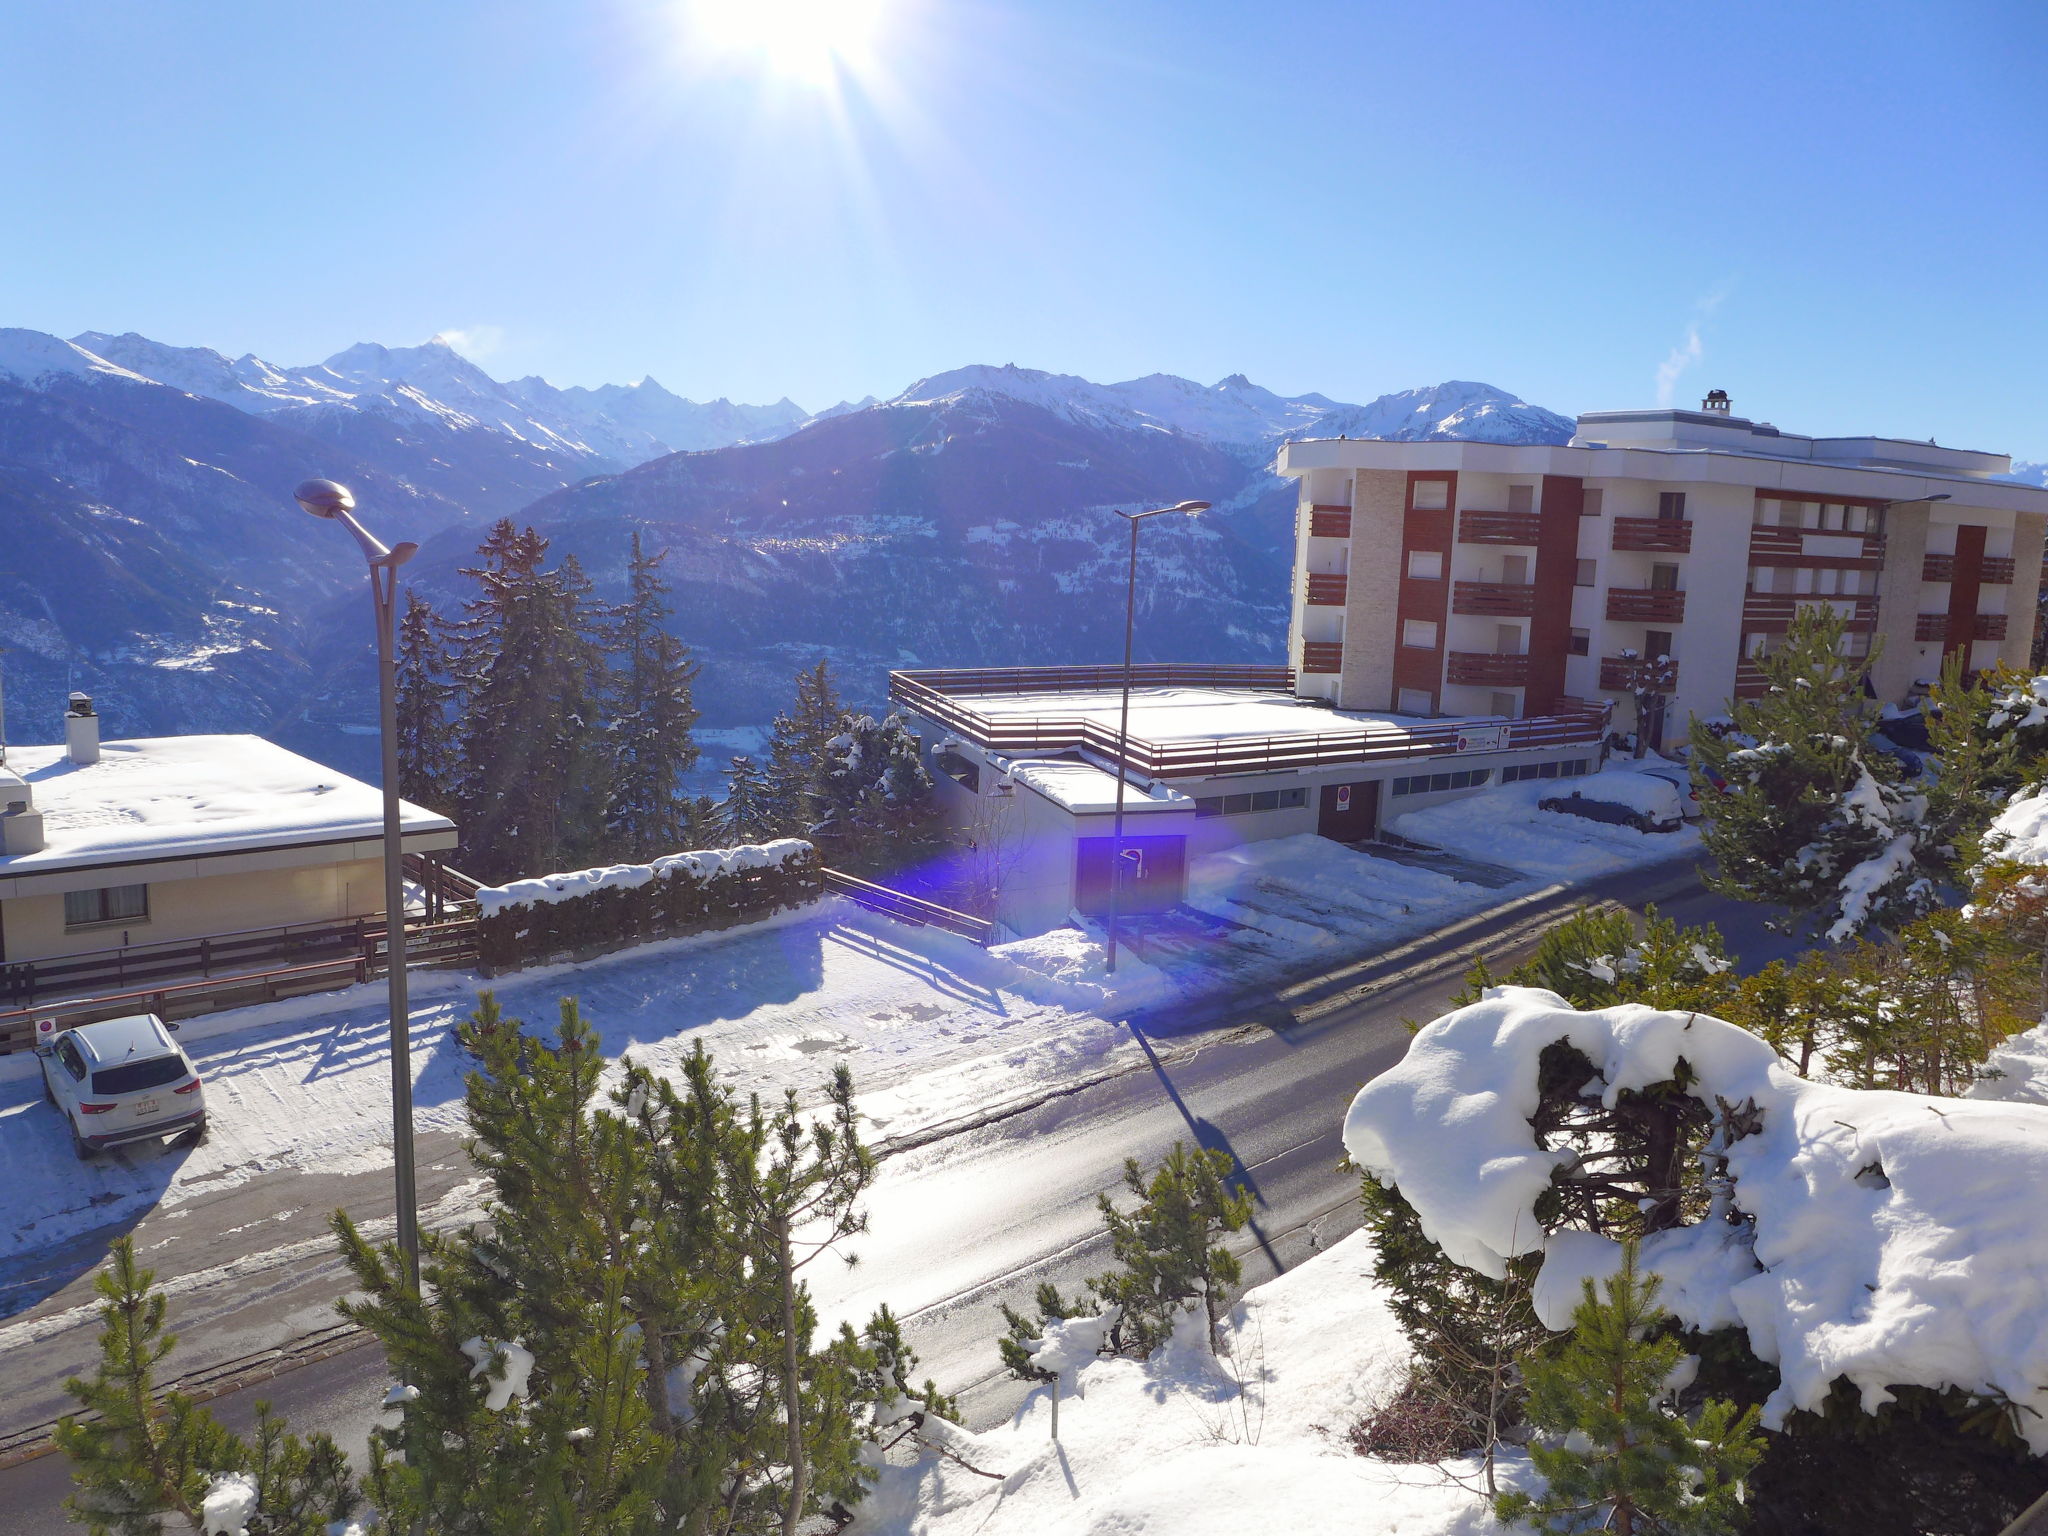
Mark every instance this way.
x=1026 y=764
x=178 y=838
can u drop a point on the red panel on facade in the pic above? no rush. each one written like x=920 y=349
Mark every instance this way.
x=1966 y=576
x=1428 y=529
x=1557 y=566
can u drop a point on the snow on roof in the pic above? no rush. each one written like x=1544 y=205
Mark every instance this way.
x=1896 y=1240
x=1084 y=786
x=177 y=796
x=1194 y=714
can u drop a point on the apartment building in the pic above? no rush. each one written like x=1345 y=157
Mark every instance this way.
x=1473 y=579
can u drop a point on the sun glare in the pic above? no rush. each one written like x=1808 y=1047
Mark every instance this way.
x=812 y=41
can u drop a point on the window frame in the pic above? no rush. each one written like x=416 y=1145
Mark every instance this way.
x=103 y=906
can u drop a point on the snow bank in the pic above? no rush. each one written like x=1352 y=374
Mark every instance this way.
x=1505 y=825
x=1069 y=967
x=2016 y=1070
x=2020 y=831
x=1896 y=1239
x=1187 y=1445
x=544 y=890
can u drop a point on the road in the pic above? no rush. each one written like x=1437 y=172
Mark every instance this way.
x=982 y=1216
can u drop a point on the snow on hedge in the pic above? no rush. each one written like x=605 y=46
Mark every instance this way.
x=2020 y=831
x=572 y=884
x=1892 y=1238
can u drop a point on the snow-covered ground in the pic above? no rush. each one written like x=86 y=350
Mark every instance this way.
x=1186 y=1444
x=1503 y=825
x=934 y=1028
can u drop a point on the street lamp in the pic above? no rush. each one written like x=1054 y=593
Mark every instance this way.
x=324 y=498
x=1123 y=724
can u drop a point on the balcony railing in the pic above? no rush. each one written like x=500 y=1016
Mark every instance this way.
x=1770 y=539
x=1327 y=591
x=1615 y=673
x=1935 y=626
x=1771 y=609
x=1993 y=570
x=1497 y=528
x=1486 y=669
x=1329 y=522
x=1750 y=682
x=1645 y=605
x=1653 y=535
x=1494 y=599
x=1322 y=656
x=1998 y=570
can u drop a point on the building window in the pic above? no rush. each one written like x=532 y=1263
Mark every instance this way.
x=1657 y=642
x=1521 y=498
x=1420 y=634
x=1856 y=643
x=1258 y=800
x=1504 y=704
x=108 y=904
x=1581 y=642
x=1590 y=504
x=962 y=771
x=1426 y=564
x=1671 y=504
x=1429 y=495
x=1765 y=513
x=1415 y=701
x=1567 y=770
x=1663 y=578
x=1588 y=573
x=1437 y=783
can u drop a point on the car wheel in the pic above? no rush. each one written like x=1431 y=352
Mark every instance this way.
x=197 y=1135
x=85 y=1150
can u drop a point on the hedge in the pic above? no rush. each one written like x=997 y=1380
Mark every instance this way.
x=585 y=912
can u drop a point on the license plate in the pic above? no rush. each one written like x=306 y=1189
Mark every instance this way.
x=145 y=1108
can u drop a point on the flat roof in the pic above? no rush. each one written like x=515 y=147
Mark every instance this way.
x=168 y=797
x=1164 y=715
x=1086 y=787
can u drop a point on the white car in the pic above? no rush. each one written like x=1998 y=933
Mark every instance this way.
x=122 y=1080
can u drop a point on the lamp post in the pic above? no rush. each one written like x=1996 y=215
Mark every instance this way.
x=324 y=498
x=1123 y=722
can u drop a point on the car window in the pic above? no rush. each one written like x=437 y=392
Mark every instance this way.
x=67 y=1053
x=135 y=1076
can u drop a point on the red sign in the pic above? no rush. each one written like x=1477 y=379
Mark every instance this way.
x=1343 y=797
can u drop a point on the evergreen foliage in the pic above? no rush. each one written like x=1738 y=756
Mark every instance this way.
x=1596 y=958
x=880 y=814
x=745 y=815
x=801 y=755
x=652 y=712
x=142 y=1455
x=1805 y=813
x=1613 y=1454
x=427 y=764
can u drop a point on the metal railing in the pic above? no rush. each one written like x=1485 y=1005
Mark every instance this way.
x=909 y=909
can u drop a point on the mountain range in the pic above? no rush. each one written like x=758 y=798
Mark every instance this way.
x=156 y=558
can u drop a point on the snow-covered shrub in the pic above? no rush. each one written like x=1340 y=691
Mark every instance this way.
x=589 y=910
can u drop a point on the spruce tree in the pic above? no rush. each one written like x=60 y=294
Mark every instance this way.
x=426 y=746
x=744 y=815
x=800 y=754
x=879 y=812
x=1613 y=1454
x=652 y=712
x=1805 y=814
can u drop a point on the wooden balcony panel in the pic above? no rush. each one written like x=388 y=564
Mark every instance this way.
x=1329 y=522
x=1990 y=626
x=1498 y=528
x=1998 y=570
x=1645 y=605
x=1327 y=591
x=1322 y=656
x=1774 y=610
x=1931 y=626
x=1938 y=568
x=1494 y=599
x=1485 y=669
x=1775 y=541
x=1653 y=535
x=1750 y=682
x=1614 y=673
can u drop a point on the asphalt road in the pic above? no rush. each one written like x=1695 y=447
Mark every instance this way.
x=983 y=1215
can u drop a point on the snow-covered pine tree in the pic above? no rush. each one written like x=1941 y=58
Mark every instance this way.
x=142 y=1454
x=1805 y=814
x=743 y=816
x=652 y=712
x=531 y=792
x=426 y=749
x=1596 y=958
x=880 y=814
x=800 y=754
x=1614 y=1455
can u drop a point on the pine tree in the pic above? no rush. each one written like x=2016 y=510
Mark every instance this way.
x=141 y=1455
x=879 y=812
x=800 y=753
x=426 y=750
x=652 y=713
x=1805 y=814
x=743 y=816
x=1613 y=1455
x=1596 y=958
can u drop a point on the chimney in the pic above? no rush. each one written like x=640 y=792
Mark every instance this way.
x=81 y=730
x=1717 y=402
x=21 y=824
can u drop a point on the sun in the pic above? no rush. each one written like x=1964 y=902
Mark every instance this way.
x=808 y=41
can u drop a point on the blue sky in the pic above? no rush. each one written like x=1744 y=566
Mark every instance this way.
x=1835 y=212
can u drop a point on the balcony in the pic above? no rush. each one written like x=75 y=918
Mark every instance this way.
x=1993 y=570
x=1329 y=522
x=1934 y=626
x=1497 y=528
x=1322 y=656
x=1327 y=591
x=1775 y=609
x=1485 y=669
x=1653 y=535
x=1614 y=673
x=1645 y=605
x=1750 y=682
x=1494 y=599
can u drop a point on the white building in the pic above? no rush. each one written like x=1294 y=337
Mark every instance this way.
x=1464 y=578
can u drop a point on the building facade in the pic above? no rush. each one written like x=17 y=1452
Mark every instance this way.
x=1472 y=579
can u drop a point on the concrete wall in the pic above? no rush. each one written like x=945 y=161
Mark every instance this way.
x=1379 y=505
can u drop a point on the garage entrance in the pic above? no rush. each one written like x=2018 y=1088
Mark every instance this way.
x=1154 y=874
x=1349 y=813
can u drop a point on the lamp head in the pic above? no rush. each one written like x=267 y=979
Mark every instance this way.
x=325 y=498
x=1192 y=506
